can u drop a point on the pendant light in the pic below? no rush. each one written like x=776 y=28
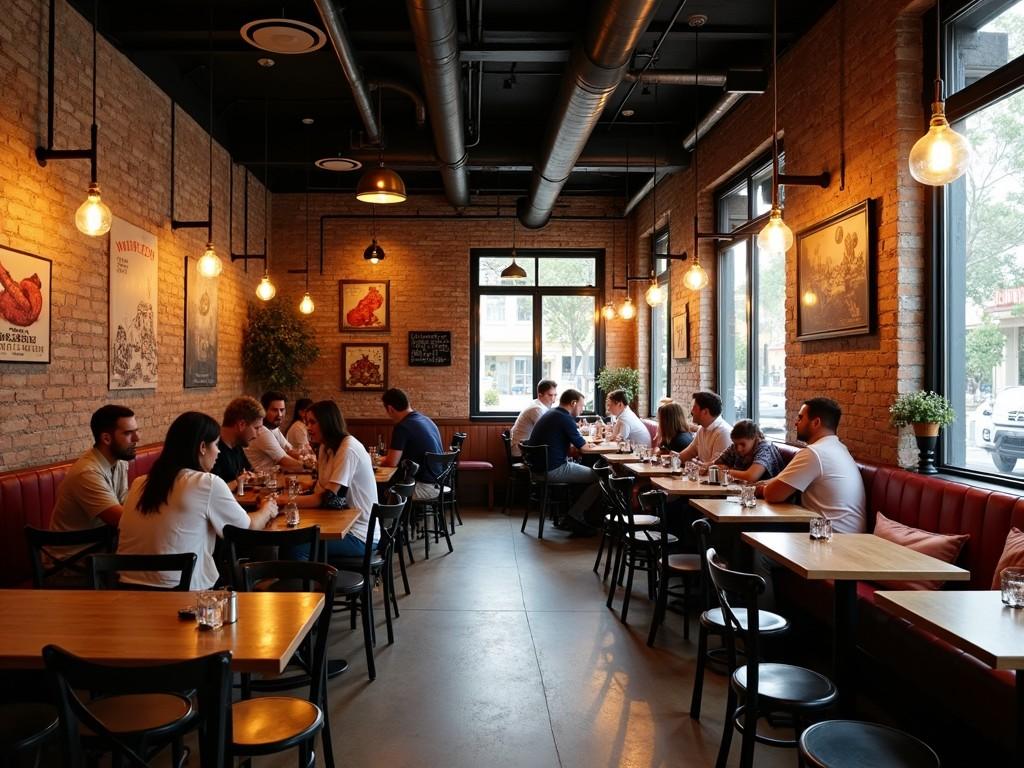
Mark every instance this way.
x=775 y=237
x=381 y=185
x=608 y=311
x=306 y=306
x=628 y=309
x=93 y=217
x=513 y=271
x=696 y=278
x=655 y=295
x=209 y=264
x=266 y=290
x=942 y=155
x=374 y=253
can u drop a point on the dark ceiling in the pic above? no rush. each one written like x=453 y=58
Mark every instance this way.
x=521 y=47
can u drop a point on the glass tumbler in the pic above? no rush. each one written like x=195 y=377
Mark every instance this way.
x=1011 y=582
x=747 y=496
x=692 y=471
x=210 y=608
x=291 y=515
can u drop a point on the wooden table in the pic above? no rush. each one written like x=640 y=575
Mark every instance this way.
x=973 y=621
x=384 y=474
x=847 y=559
x=678 y=485
x=620 y=458
x=599 y=448
x=729 y=512
x=334 y=523
x=647 y=470
x=127 y=627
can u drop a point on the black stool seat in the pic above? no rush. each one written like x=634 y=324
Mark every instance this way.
x=348 y=582
x=783 y=685
x=853 y=744
x=273 y=723
x=356 y=562
x=768 y=622
x=25 y=725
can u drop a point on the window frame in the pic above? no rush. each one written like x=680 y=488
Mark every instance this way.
x=663 y=276
x=537 y=293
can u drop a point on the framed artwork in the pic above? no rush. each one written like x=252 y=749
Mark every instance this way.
x=133 y=307
x=681 y=334
x=25 y=301
x=200 y=327
x=835 y=276
x=364 y=367
x=365 y=305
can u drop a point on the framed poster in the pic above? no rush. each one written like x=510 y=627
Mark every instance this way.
x=364 y=367
x=365 y=305
x=433 y=348
x=835 y=276
x=681 y=334
x=133 y=305
x=200 y=327
x=25 y=297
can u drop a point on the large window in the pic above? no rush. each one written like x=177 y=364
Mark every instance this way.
x=981 y=243
x=752 y=307
x=660 y=323
x=543 y=326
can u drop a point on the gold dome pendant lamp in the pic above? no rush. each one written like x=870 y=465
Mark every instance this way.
x=380 y=185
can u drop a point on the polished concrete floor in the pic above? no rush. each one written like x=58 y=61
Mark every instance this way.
x=505 y=655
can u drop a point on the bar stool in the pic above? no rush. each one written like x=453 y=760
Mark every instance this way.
x=853 y=744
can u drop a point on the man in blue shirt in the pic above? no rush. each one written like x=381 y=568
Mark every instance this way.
x=557 y=430
x=414 y=435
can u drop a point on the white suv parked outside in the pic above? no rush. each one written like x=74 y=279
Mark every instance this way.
x=999 y=428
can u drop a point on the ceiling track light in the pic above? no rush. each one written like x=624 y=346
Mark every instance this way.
x=93 y=217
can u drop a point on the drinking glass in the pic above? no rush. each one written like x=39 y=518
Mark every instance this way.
x=748 y=497
x=210 y=608
x=1011 y=582
x=674 y=464
x=692 y=471
x=726 y=477
x=271 y=482
x=291 y=515
x=821 y=529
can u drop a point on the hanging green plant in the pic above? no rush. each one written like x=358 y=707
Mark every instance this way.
x=277 y=347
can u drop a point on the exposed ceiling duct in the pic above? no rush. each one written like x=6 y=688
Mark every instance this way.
x=654 y=77
x=596 y=68
x=435 y=31
x=717 y=112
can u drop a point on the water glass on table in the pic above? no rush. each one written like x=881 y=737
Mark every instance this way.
x=748 y=497
x=1011 y=583
x=692 y=471
x=210 y=608
x=821 y=529
x=291 y=515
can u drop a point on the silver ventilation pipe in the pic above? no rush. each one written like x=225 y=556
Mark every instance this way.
x=716 y=113
x=665 y=77
x=435 y=30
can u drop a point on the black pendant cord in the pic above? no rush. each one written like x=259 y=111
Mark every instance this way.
x=266 y=181
x=654 y=192
x=94 y=131
x=307 y=229
x=939 y=86
x=775 y=104
x=209 y=204
x=696 y=139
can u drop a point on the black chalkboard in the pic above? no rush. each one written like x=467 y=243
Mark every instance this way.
x=430 y=347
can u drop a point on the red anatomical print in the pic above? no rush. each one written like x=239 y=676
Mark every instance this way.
x=20 y=303
x=362 y=315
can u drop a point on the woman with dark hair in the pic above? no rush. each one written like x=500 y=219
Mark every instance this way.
x=750 y=457
x=345 y=477
x=181 y=507
x=673 y=428
x=297 y=435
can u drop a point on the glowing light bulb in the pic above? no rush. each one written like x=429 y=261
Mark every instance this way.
x=655 y=294
x=306 y=306
x=776 y=237
x=627 y=311
x=608 y=311
x=941 y=155
x=209 y=263
x=695 y=277
x=266 y=290
x=93 y=216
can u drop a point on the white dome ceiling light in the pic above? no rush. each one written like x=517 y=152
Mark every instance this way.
x=338 y=164
x=286 y=36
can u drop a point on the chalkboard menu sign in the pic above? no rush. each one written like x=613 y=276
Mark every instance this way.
x=430 y=347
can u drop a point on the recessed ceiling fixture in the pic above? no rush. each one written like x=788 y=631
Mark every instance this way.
x=628 y=112
x=338 y=164
x=286 y=36
x=266 y=62
x=307 y=121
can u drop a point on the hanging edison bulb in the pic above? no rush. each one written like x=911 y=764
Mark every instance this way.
x=628 y=310
x=93 y=216
x=941 y=155
x=266 y=290
x=655 y=294
x=608 y=311
x=695 y=278
x=209 y=263
x=776 y=236
x=306 y=306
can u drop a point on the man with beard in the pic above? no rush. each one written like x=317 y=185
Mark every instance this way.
x=270 y=450
x=242 y=422
x=95 y=486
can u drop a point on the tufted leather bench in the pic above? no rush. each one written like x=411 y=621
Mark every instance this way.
x=27 y=497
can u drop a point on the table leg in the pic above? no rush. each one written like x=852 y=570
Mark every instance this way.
x=844 y=659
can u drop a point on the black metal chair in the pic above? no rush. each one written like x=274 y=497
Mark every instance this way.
x=404 y=492
x=406 y=473
x=430 y=513
x=139 y=710
x=679 y=565
x=240 y=543
x=854 y=744
x=51 y=561
x=453 y=497
x=518 y=474
x=24 y=727
x=611 y=529
x=106 y=570
x=542 y=491
x=271 y=724
x=759 y=688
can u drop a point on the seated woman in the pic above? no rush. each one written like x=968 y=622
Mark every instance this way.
x=750 y=457
x=674 y=432
x=345 y=477
x=297 y=435
x=181 y=507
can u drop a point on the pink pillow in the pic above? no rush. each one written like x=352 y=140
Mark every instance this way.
x=938 y=545
x=1013 y=555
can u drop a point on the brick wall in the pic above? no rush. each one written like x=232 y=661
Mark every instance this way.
x=46 y=408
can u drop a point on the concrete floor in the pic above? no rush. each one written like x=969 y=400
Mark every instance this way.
x=505 y=655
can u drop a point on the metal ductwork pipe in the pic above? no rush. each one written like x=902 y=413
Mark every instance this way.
x=435 y=30
x=405 y=90
x=654 y=77
x=331 y=16
x=717 y=112
x=596 y=68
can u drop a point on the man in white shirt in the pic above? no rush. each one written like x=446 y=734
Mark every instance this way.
x=628 y=425
x=547 y=394
x=269 y=449
x=824 y=472
x=713 y=433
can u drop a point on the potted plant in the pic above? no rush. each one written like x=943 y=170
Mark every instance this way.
x=926 y=412
x=277 y=346
x=627 y=379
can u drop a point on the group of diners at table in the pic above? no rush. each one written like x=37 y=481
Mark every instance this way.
x=189 y=495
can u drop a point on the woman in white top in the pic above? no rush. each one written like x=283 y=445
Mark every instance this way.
x=180 y=507
x=344 y=477
x=297 y=435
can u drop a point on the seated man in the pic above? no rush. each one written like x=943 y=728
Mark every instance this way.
x=242 y=422
x=627 y=424
x=413 y=436
x=94 y=489
x=269 y=450
x=713 y=432
x=557 y=430
x=547 y=394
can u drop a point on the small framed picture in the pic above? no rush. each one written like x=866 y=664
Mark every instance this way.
x=24 y=307
x=365 y=305
x=364 y=367
x=681 y=334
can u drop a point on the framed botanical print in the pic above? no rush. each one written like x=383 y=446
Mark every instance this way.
x=365 y=305
x=364 y=367
x=133 y=307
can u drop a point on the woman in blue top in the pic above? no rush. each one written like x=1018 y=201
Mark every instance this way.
x=750 y=457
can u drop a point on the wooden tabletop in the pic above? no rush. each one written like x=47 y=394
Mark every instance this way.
x=678 y=485
x=647 y=470
x=620 y=458
x=384 y=474
x=126 y=627
x=730 y=512
x=974 y=621
x=334 y=523
x=852 y=556
x=602 y=447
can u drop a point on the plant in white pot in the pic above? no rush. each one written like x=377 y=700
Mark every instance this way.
x=927 y=413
